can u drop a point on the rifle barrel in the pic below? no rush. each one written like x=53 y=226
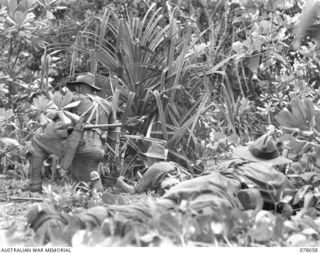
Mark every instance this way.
x=93 y=126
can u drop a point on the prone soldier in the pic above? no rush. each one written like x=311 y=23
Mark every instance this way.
x=160 y=175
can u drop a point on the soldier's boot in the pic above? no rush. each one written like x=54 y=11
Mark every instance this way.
x=35 y=182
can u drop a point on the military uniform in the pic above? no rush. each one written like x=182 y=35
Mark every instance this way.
x=209 y=194
x=160 y=175
x=221 y=185
x=155 y=175
x=54 y=139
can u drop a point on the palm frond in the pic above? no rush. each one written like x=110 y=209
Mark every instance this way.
x=161 y=115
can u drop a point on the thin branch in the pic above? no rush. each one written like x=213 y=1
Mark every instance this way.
x=18 y=53
x=10 y=49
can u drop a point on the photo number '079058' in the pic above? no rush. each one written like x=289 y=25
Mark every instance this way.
x=309 y=250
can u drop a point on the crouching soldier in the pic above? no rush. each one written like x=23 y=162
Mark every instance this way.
x=160 y=176
x=79 y=150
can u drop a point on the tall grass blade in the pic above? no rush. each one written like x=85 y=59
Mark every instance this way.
x=201 y=108
x=128 y=111
x=180 y=61
x=172 y=42
x=230 y=114
x=161 y=115
x=139 y=35
x=148 y=134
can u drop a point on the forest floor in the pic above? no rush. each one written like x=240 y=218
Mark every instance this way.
x=13 y=213
x=15 y=204
x=262 y=229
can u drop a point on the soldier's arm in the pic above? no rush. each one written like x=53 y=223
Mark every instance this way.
x=144 y=184
x=124 y=186
x=149 y=181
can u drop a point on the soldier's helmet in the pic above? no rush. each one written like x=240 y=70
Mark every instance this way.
x=87 y=78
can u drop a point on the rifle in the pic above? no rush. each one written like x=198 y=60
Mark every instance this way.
x=95 y=126
x=74 y=139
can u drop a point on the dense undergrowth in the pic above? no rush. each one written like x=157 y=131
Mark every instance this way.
x=199 y=76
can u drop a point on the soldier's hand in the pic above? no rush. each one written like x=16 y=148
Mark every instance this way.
x=104 y=136
x=120 y=180
x=120 y=183
x=79 y=126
